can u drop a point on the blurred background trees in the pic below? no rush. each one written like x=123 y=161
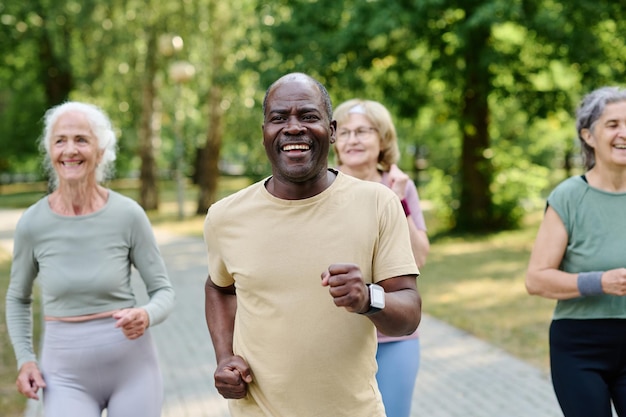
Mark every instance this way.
x=482 y=91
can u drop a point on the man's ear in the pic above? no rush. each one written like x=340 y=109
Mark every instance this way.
x=333 y=131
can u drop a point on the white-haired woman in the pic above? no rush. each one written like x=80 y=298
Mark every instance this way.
x=80 y=242
x=579 y=259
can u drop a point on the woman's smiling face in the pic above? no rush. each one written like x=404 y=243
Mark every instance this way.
x=74 y=150
x=608 y=135
x=358 y=142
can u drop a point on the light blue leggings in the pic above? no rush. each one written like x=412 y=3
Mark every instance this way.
x=90 y=366
x=398 y=363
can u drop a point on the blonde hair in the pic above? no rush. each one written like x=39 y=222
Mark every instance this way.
x=380 y=118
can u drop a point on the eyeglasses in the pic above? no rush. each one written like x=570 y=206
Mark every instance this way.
x=360 y=133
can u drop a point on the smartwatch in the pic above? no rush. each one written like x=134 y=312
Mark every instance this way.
x=377 y=299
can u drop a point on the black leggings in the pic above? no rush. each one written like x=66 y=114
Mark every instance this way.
x=588 y=364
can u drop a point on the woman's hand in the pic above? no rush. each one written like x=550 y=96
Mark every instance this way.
x=132 y=321
x=398 y=180
x=29 y=380
x=614 y=281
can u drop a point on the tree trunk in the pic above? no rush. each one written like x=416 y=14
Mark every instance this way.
x=55 y=73
x=208 y=166
x=148 y=193
x=475 y=212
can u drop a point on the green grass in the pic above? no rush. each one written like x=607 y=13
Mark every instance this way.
x=475 y=283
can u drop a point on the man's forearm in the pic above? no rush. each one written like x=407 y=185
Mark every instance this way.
x=219 y=310
x=401 y=315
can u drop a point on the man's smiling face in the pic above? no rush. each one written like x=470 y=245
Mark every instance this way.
x=297 y=131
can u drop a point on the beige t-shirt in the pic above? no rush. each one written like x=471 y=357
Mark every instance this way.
x=308 y=357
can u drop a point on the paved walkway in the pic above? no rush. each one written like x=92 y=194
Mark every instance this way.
x=460 y=375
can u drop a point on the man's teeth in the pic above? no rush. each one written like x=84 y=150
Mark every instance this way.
x=297 y=147
x=623 y=146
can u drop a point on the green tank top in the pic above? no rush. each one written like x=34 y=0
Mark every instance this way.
x=596 y=225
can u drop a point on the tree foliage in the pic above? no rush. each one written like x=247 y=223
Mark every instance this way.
x=462 y=62
x=482 y=91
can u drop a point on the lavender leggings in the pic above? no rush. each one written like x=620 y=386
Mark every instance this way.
x=91 y=366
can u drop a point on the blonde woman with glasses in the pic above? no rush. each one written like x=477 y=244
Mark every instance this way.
x=367 y=148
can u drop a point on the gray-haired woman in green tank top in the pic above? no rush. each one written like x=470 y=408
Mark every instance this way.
x=579 y=259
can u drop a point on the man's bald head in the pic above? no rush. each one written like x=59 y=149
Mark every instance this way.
x=303 y=78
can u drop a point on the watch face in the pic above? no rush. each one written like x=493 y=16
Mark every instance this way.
x=377 y=296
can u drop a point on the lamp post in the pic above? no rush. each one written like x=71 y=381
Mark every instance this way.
x=180 y=72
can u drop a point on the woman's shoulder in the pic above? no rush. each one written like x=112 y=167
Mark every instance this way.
x=119 y=203
x=574 y=184
x=36 y=216
x=568 y=194
x=118 y=199
x=35 y=210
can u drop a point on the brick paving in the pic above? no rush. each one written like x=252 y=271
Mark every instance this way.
x=463 y=376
